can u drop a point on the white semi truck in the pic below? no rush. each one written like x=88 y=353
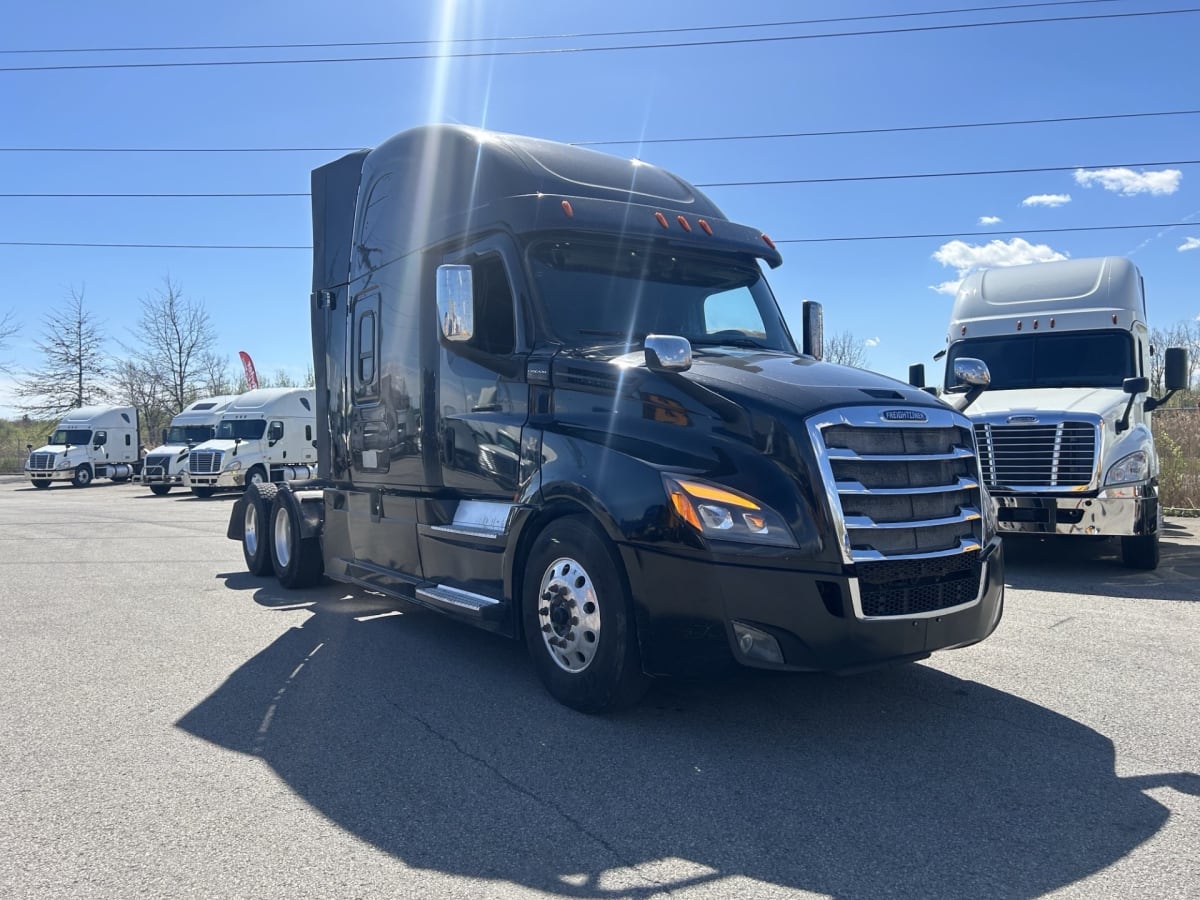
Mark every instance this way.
x=164 y=466
x=264 y=435
x=1064 y=427
x=89 y=442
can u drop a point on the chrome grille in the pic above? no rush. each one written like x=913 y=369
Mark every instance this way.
x=156 y=467
x=205 y=462
x=908 y=500
x=1055 y=455
x=41 y=461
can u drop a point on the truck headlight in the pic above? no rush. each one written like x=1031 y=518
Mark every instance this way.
x=722 y=514
x=234 y=466
x=1134 y=467
x=63 y=463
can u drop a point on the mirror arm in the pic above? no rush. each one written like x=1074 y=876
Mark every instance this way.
x=1123 y=422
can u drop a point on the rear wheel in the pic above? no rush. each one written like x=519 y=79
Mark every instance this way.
x=578 y=620
x=256 y=518
x=160 y=490
x=83 y=476
x=40 y=483
x=1140 y=551
x=297 y=561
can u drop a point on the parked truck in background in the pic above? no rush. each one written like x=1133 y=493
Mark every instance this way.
x=1064 y=427
x=557 y=400
x=88 y=443
x=264 y=435
x=165 y=465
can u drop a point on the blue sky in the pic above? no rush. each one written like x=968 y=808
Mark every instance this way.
x=883 y=291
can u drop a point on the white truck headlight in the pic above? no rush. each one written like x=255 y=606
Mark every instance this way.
x=1134 y=467
x=234 y=466
x=63 y=463
x=723 y=514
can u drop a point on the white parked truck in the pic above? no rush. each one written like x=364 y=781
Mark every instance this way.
x=164 y=466
x=1064 y=426
x=90 y=442
x=264 y=435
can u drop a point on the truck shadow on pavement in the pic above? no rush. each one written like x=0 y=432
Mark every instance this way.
x=1093 y=565
x=434 y=742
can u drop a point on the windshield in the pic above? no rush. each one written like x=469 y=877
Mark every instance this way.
x=246 y=429
x=1078 y=359
x=594 y=293
x=71 y=436
x=188 y=434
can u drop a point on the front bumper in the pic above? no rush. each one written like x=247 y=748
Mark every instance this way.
x=218 y=480
x=1133 y=514
x=50 y=474
x=687 y=610
x=157 y=475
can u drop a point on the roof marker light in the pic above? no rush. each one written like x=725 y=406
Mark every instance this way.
x=687 y=226
x=1035 y=324
x=662 y=220
x=766 y=240
x=566 y=205
x=963 y=330
x=1051 y=323
x=705 y=227
x=1114 y=318
x=1018 y=324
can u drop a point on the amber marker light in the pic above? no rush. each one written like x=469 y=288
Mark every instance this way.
x=566 y=205
x=662 y=220
x=705 y=227
x=766 y=240
x=687 y=226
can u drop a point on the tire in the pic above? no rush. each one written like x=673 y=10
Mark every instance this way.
x=256 y=475
x=83 y=476
x=1140 y=551
x=204 y=492
x=297 y=561
x=574 y=595
x=40 y=483
x=256 y=539
x=160 y=490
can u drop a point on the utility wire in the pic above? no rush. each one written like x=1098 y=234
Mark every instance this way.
x=843 y=132
x=555 y=37
x=816 y=240
x=702 y=184
x=478 y=54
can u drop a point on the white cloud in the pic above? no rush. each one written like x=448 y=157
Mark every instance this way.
x=872 y=342
x=990 y=220
x=1189 y=244
x=1128 y=182
x=1050 y=200
x=964 y=257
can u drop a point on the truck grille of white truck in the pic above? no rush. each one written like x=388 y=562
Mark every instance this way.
x=41 y=462
x=155 y=468
x=907 y=499
x=1022 y=457
x=205 y=462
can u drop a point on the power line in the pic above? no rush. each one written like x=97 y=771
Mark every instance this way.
x=841 y=132
x=702 y=184
x=563 y=36
x=477 y=54
x=816 y=240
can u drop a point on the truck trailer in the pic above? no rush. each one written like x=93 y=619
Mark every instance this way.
x=1064 y=428
x=89 y=442
x=165 y=465
x=556 y=399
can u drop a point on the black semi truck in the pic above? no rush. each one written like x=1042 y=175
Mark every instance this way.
x=556 y=399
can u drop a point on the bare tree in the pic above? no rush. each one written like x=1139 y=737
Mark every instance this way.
x=136 y=387
x=845 y=349
x=75 y=372
x=217 y=376
x=174 y=337
x=8 y=330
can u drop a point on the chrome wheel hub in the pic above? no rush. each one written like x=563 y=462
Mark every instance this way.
x=569 y=615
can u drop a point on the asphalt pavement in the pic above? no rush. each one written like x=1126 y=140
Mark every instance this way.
x=173 y=727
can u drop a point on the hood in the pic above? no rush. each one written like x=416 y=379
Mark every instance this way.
x=168 y=449
x=221 y=444
x=1101 y=402
x=56 y=448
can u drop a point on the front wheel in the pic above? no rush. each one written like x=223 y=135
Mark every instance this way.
x=578 y=620
x=1140 y=551
x=203 y=492
x=256 y=475
x=83 y=476
x=256 y=518
x=297 y=561
x=160 y=490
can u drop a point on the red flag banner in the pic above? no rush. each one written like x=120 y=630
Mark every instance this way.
x=248 y=365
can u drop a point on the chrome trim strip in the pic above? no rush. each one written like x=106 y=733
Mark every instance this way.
x=443 y=595
x=856 y=601
x=964 y=546
x=966 y=514
x=856 y=488
x=485 y=533
x=840 y=453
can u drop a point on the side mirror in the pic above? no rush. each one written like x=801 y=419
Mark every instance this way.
x=1136 y=385
x=455 y=302
x=812 y=329
x=916 y=375
x=667 y=353
x=974 y=375
x=164 y=436
x=1176 y=369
